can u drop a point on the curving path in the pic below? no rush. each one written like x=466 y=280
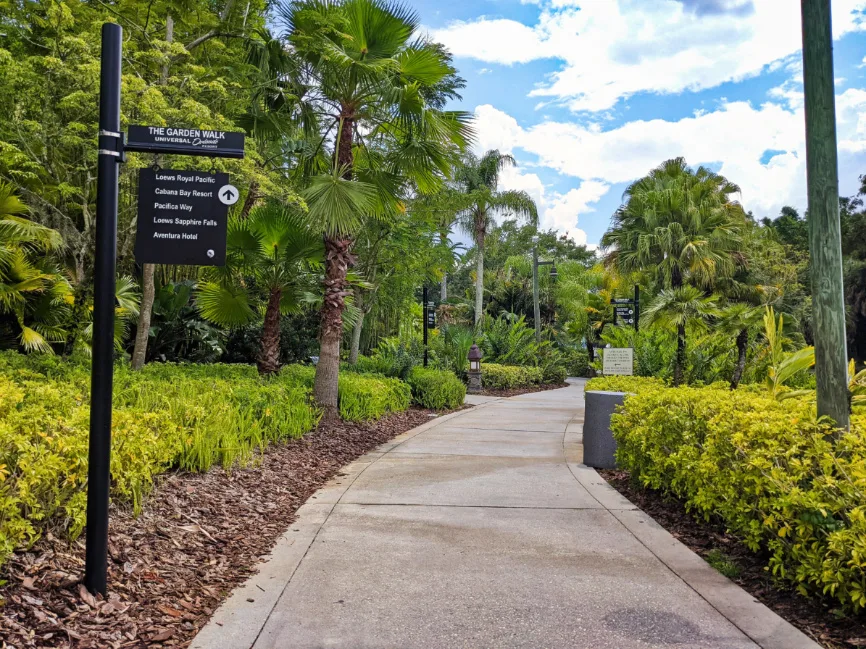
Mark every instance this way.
x=483 y=529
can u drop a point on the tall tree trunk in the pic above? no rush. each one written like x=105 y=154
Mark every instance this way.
x=479 y=272
x=680 y=360
x=142 y=334
x=269 y=356
x=148 y=288
x=742 y=345
x=356 y=339
x=338 y=259
x=443 y=291
x=250 y=200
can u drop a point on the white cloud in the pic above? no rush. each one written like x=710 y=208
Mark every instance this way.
x=612 y=49
x=735 y=137
x=558 y=211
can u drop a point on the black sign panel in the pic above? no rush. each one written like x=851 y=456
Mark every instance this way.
x=431 y=315
x=625 y=314
x=618 y=300
x=182 y=217
x=185 y=141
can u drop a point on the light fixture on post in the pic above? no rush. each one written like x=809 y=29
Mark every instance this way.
x=474 y=369
x=553 y=272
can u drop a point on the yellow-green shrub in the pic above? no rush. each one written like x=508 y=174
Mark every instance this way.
x=436 y=389
x=500 y=377
x=166 y=415
x=361 y=397
x=633 y=384
x=767 y=469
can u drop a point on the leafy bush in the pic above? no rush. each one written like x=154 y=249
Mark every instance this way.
x=503 y=377
x=508 y=340
x=634 y=384
x=767 y=469
x=361 y=397
x=577 y=363
x=436 y=389
x=164 y=416
x=397 y=356
x=450 y=348
x=555 y=374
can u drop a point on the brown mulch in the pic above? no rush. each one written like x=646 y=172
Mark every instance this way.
x=513 y=392
x=818 y=619
x=198 y=536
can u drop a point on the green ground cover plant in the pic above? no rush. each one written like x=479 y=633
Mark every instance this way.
x=781 y=481
x=166 y=416
x=503 y=377
x=436 y=389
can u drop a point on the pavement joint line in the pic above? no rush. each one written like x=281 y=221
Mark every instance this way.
x=447 y=506
x=416 y=431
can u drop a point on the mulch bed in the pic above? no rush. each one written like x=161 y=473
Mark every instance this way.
x=513 y=392
x=818 y=619
x=199 y=536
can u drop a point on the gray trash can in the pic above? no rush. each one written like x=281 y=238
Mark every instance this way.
x=599 y=445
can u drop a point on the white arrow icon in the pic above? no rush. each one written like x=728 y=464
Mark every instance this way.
x=228 y=194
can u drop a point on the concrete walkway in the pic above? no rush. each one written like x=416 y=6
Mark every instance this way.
x=483 y=529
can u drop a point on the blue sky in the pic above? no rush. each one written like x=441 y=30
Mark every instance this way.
x=590 y=94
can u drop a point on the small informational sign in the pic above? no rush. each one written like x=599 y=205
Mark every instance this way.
x=182 y=217
x=185 y=141
x=624 y=314
x=618 y=361
x=431 y=315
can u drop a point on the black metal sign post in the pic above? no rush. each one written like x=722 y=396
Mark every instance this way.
x=627 y=310
x=424 y=297
x=189 y=209
x=102 y=369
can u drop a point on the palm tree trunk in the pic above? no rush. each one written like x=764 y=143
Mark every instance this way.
x=142 y=334
x=338 y=259
x=742 y=344
x=443 y=292
x=250 y=200
x=680 y=360
x=479 y=272
x=269 y=356
x=356 y=339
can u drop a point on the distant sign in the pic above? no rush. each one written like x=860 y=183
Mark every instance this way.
x=185 y=141
x=182 y=217
x=431 y=315
x=618 y=361
x=624 y=314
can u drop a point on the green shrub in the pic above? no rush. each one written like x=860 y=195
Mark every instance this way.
x=765 y=467
x=167 y=415
x=634 y=384
x=361 y=397
x=503 y=377
x=436 y=389
x=577 y=363
x=554 y=374
x=369 y=365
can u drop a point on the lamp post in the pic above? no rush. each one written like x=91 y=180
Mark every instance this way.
x=553 y=275
x=474 y=369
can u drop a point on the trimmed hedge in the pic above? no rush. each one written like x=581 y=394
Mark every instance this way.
x=503 y=377
x=633 y=384
x=554 y=374
x=436 y=389
x=775 y=476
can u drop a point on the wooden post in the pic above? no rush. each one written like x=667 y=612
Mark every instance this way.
x=825 y=239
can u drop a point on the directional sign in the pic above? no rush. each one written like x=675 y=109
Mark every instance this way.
x=185 y=141
x=228 y=194
x=181 y=219
x=625 y=314
x=618 y=300
x=431 y=316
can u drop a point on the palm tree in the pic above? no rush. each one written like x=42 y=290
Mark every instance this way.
x=683 y=307
x=268 y=258
x=364 y=81
x=738 y=319
x=478 y=180
x=681 y=226
x=33 y=292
